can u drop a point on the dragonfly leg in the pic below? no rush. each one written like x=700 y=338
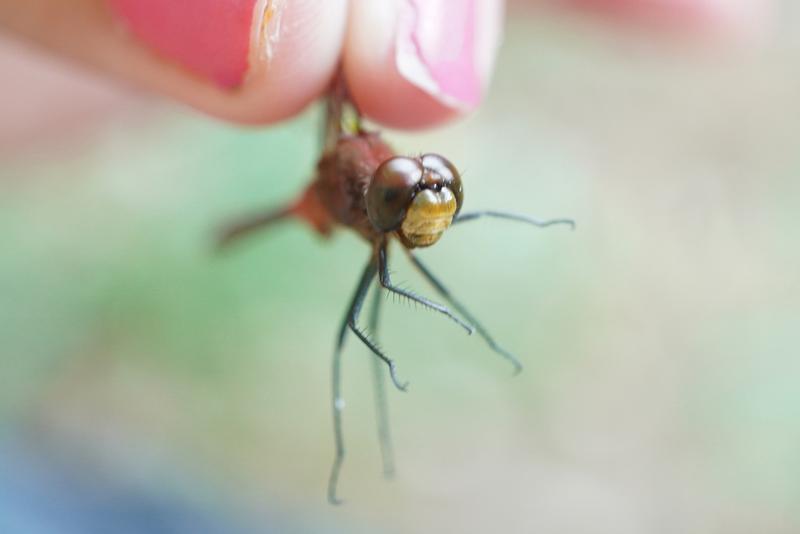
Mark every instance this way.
x=350 y=322
x=386 y=282
x=251 y=224
x=381 y=404
x=337 y=404
x=445 y=293
x=464 y=217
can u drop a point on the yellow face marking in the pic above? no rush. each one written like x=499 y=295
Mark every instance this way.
x=429 y=215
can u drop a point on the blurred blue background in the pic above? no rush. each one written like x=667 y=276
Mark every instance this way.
x=149 y=385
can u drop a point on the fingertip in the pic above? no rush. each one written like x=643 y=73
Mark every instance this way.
x=736 y=19
x=292 y=63
x=386 y=97
x=262 y=62
x=414 y=63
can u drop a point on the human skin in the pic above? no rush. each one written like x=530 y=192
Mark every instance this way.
x=409 y=63
x=256 y=61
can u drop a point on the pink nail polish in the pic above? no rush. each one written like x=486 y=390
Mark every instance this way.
x=436 y=49
x=211 y=38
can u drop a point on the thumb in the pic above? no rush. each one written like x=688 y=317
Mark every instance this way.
x=251 y=61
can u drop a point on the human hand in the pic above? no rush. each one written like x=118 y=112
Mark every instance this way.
x=409 y=63
x=727 y=19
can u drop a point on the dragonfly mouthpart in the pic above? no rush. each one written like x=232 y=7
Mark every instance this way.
x=428 y=216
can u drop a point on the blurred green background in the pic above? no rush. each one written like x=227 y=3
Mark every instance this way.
x=660 y=339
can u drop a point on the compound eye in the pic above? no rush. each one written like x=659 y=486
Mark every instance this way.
x=450 y=176
x=391 y=191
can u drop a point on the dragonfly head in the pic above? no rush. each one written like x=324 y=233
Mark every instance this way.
x=415 y=197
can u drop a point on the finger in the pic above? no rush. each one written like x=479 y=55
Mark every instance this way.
x=415 y=63
x=251 y=61
x=728 y=18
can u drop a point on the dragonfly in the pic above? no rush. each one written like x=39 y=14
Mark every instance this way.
x=362 y=184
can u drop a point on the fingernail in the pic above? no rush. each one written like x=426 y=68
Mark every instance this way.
x=219 y=40
x=438 y=48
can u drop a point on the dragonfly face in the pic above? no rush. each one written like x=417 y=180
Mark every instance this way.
x=415 y=197
x=360 y=185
